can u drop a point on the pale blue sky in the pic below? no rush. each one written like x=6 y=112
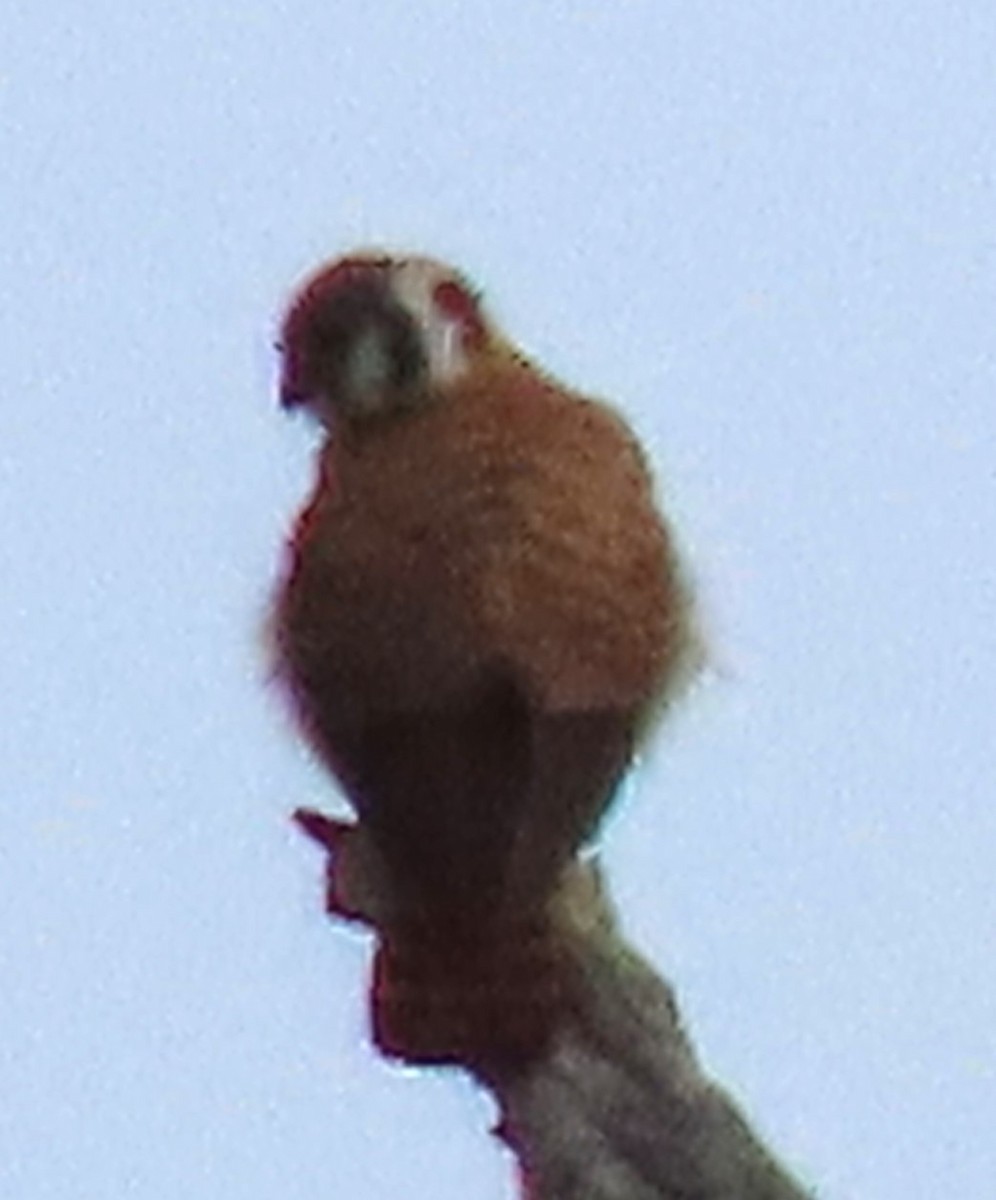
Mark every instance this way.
x=768 y=231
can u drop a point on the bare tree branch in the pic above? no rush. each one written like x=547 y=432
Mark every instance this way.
x=619 y=1108
x=616 y=1106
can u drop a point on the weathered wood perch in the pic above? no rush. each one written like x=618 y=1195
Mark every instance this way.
x=617 y=1107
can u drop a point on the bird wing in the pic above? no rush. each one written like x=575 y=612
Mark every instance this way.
x=581 y=588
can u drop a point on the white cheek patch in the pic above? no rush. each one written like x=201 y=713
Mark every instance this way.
x=444 y=341
x=367 y=374
x=414 y=282
x=368 y=368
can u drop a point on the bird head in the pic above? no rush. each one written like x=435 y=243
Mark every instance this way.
x=373 y=334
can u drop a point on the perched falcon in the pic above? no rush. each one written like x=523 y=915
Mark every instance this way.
x=481 y=614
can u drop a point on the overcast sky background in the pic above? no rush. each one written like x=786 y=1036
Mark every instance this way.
x=766 y=229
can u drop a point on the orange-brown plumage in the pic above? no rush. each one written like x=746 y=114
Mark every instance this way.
x=482 y=610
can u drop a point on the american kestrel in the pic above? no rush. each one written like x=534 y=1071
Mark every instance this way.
x=482 y=613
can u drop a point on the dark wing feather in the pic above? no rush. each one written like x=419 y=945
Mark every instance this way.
x=474 y=805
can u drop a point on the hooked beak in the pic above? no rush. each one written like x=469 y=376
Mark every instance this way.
x=292 y=398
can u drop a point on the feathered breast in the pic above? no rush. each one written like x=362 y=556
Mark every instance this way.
x=507 y=522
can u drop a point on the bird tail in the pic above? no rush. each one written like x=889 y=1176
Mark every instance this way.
x=489 y=997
